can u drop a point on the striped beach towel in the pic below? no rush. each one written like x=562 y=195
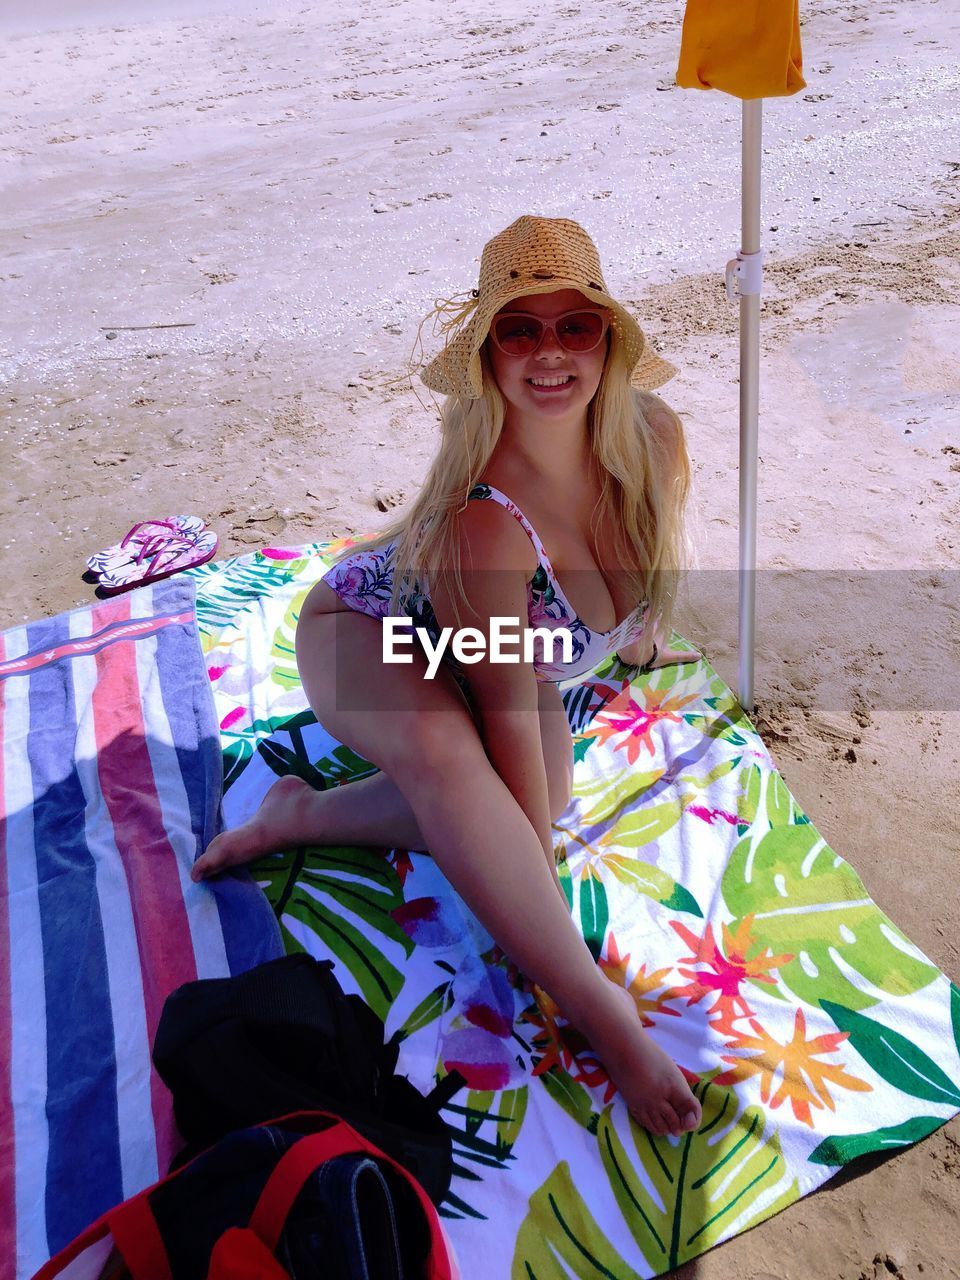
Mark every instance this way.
x=110 y=779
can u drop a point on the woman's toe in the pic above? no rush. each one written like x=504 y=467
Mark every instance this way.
x=684 y=1104
x=653 y=1122
x=690 y=1119
x=661 y=1122
x=671 y=1120
x=213 y=859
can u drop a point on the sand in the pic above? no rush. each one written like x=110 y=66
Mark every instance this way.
x=293 y=186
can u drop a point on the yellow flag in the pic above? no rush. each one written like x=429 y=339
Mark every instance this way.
x=750 y=48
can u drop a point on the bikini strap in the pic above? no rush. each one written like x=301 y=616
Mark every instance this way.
x=484 y=490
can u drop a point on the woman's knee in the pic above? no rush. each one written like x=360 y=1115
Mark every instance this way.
x=390 y=713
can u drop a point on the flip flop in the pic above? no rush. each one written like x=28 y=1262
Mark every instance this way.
x=187 y=528
x=159 y=557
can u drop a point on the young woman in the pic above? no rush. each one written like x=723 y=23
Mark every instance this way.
x=547 y=379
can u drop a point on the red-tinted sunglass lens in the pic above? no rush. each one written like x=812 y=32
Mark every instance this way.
x=517 y=335
x=580 y=332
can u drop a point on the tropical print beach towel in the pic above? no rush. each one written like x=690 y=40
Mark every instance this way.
x=110 y=771
x=812 y=1029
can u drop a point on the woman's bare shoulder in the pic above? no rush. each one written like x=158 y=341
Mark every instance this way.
x=667 y=428
x=491 y=537
x=657 y=412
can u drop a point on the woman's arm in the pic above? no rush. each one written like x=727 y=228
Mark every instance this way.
x=513 y=746
x=496 y=565
x=652 y=651
x=633 y=654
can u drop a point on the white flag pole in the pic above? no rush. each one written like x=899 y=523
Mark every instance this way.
x=747 y=267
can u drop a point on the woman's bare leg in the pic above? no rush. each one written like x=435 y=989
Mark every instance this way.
x=490 y=853
x=369 y=811
x=418 y=733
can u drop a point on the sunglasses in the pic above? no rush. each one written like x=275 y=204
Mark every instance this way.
x=520 y=334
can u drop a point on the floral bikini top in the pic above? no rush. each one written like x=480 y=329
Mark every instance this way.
x=364 y=581
x=548 y=606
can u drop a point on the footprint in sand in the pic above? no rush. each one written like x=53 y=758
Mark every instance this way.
x=385 y=501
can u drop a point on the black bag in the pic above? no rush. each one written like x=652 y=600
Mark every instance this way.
x=281 y=1038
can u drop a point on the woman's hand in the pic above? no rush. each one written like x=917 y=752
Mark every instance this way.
x=664 y=658
x=648 y=653
x=668 y=657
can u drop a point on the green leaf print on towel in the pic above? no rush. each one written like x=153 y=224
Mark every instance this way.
x=560 y=1237
x=226 y=587
x=594 y=913
x=259 y=737
x=841 y=1148
x=431 y=1007
x=283 y=652
x=729 y=722
x=611 y=796
x=571 y=1096
x=764 y=796
x=892 y=1056
x=344 y=897
x=612 y=819
x=807 y=901
x=703 y=1183
x=506 y=1109
x=654 y=883
x=483 y=1146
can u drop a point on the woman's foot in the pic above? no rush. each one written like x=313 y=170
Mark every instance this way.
x=650 y=1083
x=285 y=818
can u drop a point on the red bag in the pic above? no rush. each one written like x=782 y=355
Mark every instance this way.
x=242 y=1252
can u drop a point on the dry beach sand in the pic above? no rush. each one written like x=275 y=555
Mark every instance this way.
x=293 y=186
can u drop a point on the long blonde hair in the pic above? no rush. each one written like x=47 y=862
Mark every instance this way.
x=645 y=481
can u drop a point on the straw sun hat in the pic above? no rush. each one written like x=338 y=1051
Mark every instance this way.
x=533 y=255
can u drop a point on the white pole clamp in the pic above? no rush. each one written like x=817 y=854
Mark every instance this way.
x=748 y=268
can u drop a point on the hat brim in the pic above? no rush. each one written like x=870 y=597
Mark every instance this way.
x=456 y=370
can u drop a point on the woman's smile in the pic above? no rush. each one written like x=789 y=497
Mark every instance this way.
x=551 y=384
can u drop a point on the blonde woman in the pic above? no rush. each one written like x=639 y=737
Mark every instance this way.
x=556 y=464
